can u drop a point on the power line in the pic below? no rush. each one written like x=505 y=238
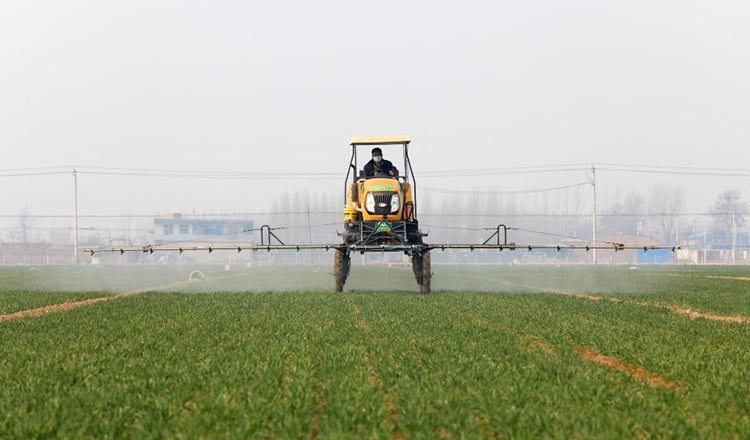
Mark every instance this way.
x=550 y=234
x=475 y=172
x=39 y=173
x=14 y=170
x=248 y=176
x=672 y=167
x=425 y=214
x=492 y=172
x=454 y=228
x=676 y=172
x=165 y=217
x=588 y=215
x=204 y=172
x=493 y=193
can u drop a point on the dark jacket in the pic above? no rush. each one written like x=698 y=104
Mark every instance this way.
x=385 y=166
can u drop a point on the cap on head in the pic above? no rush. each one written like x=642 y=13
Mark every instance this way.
x=377 y=150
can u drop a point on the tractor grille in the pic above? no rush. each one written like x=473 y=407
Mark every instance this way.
x=382 y=198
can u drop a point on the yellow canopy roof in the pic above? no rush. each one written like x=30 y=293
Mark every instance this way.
x=379 y=140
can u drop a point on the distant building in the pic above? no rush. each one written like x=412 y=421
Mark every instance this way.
x=716 y=248
x=184 y=228
x=35 y=253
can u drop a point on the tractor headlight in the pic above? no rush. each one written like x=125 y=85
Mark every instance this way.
x=370 y=202
x=395 y=203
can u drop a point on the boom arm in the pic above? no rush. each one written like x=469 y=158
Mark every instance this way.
x=267 y=237
x=415 y=248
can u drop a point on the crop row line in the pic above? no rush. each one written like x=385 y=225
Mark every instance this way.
x=319 y=406
x=375 y=379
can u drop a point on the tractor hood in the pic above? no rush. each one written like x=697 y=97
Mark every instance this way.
x=381 y=184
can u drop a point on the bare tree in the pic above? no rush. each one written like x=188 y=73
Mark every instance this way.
x=729 y=211
x=625 y=215
x=665 y=203
x=25 y=222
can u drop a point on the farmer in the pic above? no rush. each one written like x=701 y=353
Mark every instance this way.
x=377 y=166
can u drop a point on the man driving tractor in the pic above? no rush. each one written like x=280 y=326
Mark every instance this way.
x=377 y=166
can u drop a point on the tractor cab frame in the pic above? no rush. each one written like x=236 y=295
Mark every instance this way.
x=381 y=209
x=354 y=172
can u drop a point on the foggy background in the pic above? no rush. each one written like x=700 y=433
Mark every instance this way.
x=266 y=96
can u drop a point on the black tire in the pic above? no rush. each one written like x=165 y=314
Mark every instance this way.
x=341 y=266
x=416 y=267
x=426 y=285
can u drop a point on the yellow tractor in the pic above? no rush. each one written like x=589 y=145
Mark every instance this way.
x=380 y=212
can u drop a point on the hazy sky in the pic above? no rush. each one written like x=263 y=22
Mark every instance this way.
x=280 y=86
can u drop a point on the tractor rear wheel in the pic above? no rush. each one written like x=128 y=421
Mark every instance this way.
x=425 y=285
x=416 y=266
x=341 y=266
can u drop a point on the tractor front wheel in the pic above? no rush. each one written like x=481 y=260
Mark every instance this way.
x=426 y=285
x=421 y=266
x=341 y=266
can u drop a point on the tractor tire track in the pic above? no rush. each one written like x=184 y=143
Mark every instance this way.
x=481 y=419
x=725 y=277
x=53 y=308
x=375 y=380
x=319 y=388
x=640 y=374
x=637 y=373
x=710 y=277
x=678 y=310
x=70 y=305
x=314 y=430
x=484 y=426
x=693 y=314
x=532 y=340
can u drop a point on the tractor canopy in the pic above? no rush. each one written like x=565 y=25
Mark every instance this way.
x=379 y=140
x=356 y=165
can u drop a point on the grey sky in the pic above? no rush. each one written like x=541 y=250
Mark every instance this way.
x=280 y=86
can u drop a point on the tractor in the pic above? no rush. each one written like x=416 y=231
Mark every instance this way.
x=380 y=213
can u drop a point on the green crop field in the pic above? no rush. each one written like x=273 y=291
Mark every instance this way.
x=495 y=352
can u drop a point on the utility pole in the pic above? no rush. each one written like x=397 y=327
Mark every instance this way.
x=75 y=216
x=309 y=231
x=675 y=220
x=734 y=238
x=309 y=226
x=593 y=213
x=705 y=239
